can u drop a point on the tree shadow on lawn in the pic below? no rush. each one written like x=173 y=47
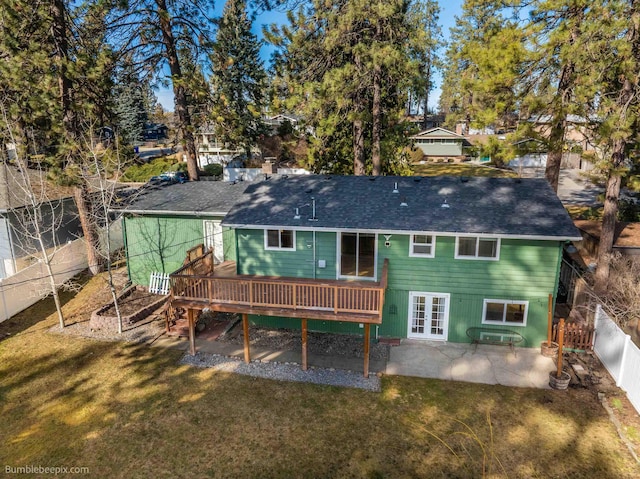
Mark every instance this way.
x=33 y=315
x=132 y=411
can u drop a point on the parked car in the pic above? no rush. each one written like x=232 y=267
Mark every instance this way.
x=169 y=178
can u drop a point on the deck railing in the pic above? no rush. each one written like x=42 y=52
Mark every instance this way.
x=283 y=293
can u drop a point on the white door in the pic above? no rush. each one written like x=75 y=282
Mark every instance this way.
x=213 y=239
x=428 y=316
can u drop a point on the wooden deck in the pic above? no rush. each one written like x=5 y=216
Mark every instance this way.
x=200 y=284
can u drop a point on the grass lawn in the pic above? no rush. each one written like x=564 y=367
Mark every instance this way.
x=126 y=411
x=460 y=169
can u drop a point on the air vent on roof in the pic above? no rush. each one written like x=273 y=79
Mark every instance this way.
x=464 y=179
x=309 y=191
x=444 y=204
x=328 y=177
x=395 y=187
x=372 y=178
x=417 y=179
x=403 y=201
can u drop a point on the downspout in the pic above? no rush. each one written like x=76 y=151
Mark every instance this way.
x=126 y=246
x=314 y=254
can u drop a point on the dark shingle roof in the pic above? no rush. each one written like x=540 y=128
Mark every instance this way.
x=496 y=206
x=201 y=197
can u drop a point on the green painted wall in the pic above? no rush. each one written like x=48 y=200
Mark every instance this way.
x=527 y=270
x=160 y=243
x=440 y=149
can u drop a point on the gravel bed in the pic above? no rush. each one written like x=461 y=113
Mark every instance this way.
x=284 y=371
x=144 y=331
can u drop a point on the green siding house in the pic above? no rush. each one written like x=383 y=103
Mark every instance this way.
x=163 y=222
x=462 y=252
x=439 y=143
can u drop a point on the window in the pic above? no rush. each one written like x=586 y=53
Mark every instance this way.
x=505 y=312
x=423 y=246
x=358 y=255
x=280 y=239
x=473 y=247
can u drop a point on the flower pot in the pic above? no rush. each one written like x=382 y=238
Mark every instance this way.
x=549 y=350
x=561 y=382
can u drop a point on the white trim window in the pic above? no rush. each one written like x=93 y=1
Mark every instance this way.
x=280 y=240
x=357 y=255
x=505 y=312
x=422 y=246
x=477 y=247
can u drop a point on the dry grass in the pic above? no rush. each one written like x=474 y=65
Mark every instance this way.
x=128 y=411
x=460 y=169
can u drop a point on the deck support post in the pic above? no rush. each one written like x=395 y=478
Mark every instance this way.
x=192 y=331
x=367 y=329
x=304 y=344
x=245 y=332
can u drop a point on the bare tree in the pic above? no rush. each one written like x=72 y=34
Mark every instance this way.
x=101 y=170
x=36 y=217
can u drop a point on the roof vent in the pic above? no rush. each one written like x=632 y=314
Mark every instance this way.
x=464 y=179
x=395 y=187
x=445 y=204
x=417 y=179
x=403 y=201
x=372 y=178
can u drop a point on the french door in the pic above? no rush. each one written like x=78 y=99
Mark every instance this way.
x=428 y=316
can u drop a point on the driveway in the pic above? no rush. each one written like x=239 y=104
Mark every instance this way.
x=485 y=364
x=573 y=186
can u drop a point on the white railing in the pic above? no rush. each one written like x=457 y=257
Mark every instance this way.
x=619 y=355
x=28 y=286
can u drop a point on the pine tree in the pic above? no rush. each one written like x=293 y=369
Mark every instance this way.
x=155 y=31
x=238 y=81
x=347 y=66
x=484 y=59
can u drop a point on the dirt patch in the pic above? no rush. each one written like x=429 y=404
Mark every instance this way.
x=134 y=302
x=329 y=344
x=587 y=372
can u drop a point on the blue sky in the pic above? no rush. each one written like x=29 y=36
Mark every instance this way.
x=448 y=10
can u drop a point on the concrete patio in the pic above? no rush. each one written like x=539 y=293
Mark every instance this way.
x=485 y=364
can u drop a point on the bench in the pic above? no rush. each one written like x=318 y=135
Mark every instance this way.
x=501 y=337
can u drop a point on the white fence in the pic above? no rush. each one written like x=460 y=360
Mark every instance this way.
x=26 y=287
x=619 y=355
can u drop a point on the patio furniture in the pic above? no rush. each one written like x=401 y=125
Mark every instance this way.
x=501 y=337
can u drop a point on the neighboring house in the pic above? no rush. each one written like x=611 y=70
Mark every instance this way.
x=274 y=122
x=155 y=131
x=440 y=144
x=163 y=222
x=422 y=258
x=57 y=213
x=530 y=153
x=211 y=151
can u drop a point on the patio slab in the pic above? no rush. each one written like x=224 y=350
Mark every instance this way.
x=485 y=364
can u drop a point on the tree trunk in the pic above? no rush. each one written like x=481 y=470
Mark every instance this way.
x=425 y=110
x=59 y=34
x=179 y=91
x=628 y=89
x=609 y=217
x=358 y=148
x=565 y=93
x=376 y=161
x=83 y=203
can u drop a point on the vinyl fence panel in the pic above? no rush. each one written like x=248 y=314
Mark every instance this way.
x=619 y=355
x=28 y=286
